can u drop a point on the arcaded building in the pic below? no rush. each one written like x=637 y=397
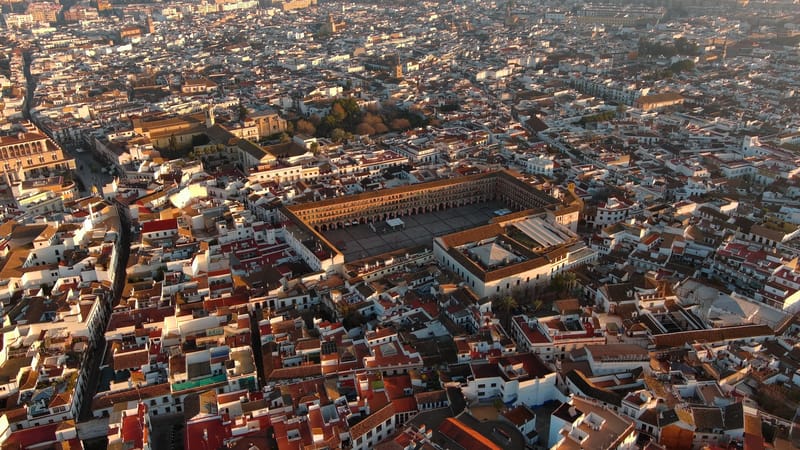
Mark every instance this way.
x=377 y=206
x=550 y=246
x=26 y=156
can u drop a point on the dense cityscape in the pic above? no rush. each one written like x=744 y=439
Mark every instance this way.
x=319 y=224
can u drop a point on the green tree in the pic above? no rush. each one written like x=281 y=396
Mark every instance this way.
x=400 y=124
x=338 y=112
x=562 y=282
x=350 y=105
x=498 y=403
x=365 y=129
x=159 y=276
x=685 y=65
x=684 y=47
x=350 y=316
x=338 y=135
x=305 y=127
x=504 y=306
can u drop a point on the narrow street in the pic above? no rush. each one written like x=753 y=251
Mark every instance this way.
x=88 y=171
x=255 y=317
x=88 y=168
x=30 y=85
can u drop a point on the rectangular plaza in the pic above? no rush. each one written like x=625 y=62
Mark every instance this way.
x=360 y=241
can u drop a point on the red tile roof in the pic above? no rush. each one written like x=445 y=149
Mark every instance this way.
x=372 y=421
x=32 y=436
x=159 y=225
x=133 y=427
x=131 y=360
x=206 y=434
x=144 y=393
x=712 y=335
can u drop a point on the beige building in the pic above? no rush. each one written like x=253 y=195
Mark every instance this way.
x=175 y=132
x=294 y=4
x=658 y=101
x=268 y=123
x=31 y=155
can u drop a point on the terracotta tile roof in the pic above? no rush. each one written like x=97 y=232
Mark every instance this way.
x=372 y=421
x=108 y=400
x=33 y=436
x=404 y=404
x=17 y=414
x=466 y=437
x=61 y=399
x=131 y=360
x=287 y=373
x=431 y=396
x=713 y=335
x=519 y=415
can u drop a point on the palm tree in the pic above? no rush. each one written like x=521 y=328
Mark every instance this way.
x=505 y=304
x=563 y=282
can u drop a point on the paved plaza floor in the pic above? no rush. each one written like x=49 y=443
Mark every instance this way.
x=359 y=241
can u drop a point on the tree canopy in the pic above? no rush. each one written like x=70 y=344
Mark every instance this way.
x=347 y=118
x=680 y=46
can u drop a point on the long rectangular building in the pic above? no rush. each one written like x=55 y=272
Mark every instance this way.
x=380 y=205
x=31 y=155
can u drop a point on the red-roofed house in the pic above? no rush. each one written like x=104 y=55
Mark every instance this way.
x=159 y=229
x=133 y=431
x=207 y=432
x=39 y=437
